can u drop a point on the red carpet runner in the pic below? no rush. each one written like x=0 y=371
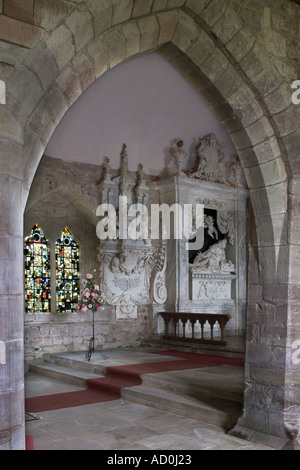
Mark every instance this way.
x=110 y=387
x=29 y=445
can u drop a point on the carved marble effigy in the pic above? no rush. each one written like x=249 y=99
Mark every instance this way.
x=212 y=274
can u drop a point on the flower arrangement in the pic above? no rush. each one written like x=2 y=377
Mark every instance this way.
x=91 y=298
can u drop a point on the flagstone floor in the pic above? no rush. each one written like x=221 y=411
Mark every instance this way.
x=119 y=425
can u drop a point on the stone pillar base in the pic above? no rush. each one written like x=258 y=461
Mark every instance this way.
x=276 y=442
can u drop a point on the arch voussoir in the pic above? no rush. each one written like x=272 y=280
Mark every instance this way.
x=216 y=52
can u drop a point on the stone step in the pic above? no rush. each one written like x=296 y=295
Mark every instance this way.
x=210 y=411
x=63 y=374
x=224 y=383
x=211 y=394
x=75 y=364
x=235 y=350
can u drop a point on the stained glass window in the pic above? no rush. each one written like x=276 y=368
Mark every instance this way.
x=67 y=272
x=37 y=272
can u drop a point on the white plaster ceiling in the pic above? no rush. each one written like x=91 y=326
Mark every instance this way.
x=145 y=103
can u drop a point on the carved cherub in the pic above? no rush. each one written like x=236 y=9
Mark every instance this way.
x=179 y=156
x=209 y=223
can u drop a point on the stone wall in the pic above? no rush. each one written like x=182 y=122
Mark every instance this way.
x=56 y=333
x=68 y=194
x=241 y=56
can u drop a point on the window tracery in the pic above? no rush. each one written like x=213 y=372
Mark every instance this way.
x=37 y=272
x=67 y=272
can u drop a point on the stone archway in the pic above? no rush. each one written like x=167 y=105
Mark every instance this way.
x=216 y=53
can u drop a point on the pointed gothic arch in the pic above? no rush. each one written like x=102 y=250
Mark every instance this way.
x=234 y=74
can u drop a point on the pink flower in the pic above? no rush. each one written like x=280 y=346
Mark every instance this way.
x=84 y=308
x=96 y=287
x=89 y=276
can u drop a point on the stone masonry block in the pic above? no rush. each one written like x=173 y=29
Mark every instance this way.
x=260 y=354
x=149 y=28
x=141 y=7
x=215 y=65
x=295 y=222
x=17 y=32
x=33 y=151
x=273 y=172
x=287 y=121
x=115 y=46
x=175 y=3
x=254 y=293
x=285 y=24
x=56 y=104
x=103 y=20
x=26 y=88
x=167 y=22
x=11 y=158
x=200 y=50
x=214 y=10
x=159 y=5
x=267 y=81
x=267 y=150
x=267 y=174
x=197 y=5
x=41 y=123
x=227 y=26
x=277 y=196
x=259 y=202
x=292 y=144
x=85 y=69
x=275 y=292
x=245 y=105
x=42 y=63
x=81 y=26
x=69 y=82
x=11 y=53
x=254 y=177
x=10 y=129
x=279 y=100
x=241 y=43
x=186 y=32
x=229 y=82
x=260 y=130
x=98 y=6
x=49 y=13
x=255 y=63
x=240 y=140
x=131 y=33
x=248 y=157
x=19 y=10
x=122 y=11
x=275 y=43
x=294 y=268
x=61 y=46
x=97 y=50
